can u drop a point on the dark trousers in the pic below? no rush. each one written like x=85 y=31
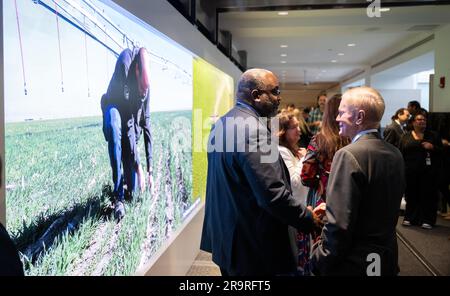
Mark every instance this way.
x=119 y=149
x=224 y=272
x=443 y=189
x=421 y=197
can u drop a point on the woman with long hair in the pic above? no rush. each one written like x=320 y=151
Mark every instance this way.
x=306 y=135
x=320 y=153
x=289 y=134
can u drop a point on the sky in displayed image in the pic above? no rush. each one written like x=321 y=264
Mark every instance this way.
x=66 y=76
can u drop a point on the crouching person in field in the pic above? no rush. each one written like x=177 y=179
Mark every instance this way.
x=126 y=114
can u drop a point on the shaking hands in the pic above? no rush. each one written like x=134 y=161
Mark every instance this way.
x=318 y=214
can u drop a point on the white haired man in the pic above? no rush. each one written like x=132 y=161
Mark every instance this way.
x=365 y=188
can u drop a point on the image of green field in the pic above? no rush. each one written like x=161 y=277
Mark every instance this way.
x=58 y=195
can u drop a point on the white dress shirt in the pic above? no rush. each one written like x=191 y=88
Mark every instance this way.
x=294 y=165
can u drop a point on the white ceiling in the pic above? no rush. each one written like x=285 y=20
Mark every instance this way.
x=316 y=37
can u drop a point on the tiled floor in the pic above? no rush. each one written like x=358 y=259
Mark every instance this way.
x=203 y=266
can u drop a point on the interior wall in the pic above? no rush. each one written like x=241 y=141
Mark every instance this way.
x=300 y=98
x=395 y=99
x=305 y=95
x=441 y=96
x=161 y=15
x=393 y=82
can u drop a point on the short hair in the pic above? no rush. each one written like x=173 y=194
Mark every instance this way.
x=369 y=100
x=320 y=95
x=250 y=80
x=414 y=104
x=400 y=111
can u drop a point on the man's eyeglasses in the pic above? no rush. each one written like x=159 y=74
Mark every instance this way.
x=275 y=91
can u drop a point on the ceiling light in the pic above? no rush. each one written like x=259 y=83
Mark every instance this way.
x=385 y=9
x=334 y=61
x=324 y=71
x=283 y=13
x=340 y=54
x=283 y=62
x=351 y=44
x=283 y=46
x=284 y=55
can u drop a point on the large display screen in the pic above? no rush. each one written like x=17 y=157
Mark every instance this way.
x=213 y=97
x=59 y=57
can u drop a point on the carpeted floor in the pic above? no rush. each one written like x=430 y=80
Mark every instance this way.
x=432 y=246
x=417 y=247
x=203 y=266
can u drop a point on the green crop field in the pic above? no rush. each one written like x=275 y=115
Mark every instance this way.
x=58 y=184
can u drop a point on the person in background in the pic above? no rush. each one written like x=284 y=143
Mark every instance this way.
x=305 y=133
x=126 y=113
x=320 y=153
x=315 y=116
x=289 y=134
x=364 y=191
x=421 y=149
x=305 y=113
x=249 y=203
x=394 y=131
x=413 y=108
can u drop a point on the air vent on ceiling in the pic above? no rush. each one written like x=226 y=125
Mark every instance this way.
x=423 y=28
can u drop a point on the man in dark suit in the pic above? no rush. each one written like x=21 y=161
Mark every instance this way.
x=394 y=131
x=365 y=187
x=249 y=204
